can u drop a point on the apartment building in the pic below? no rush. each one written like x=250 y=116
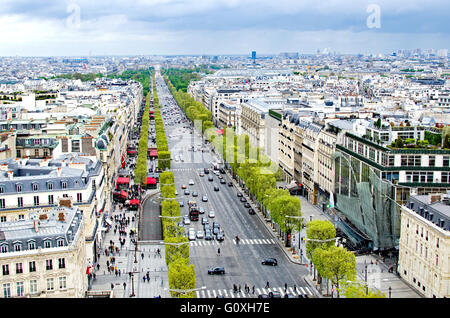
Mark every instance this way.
x=44 y=255
x=425 y=244
x=34 y=184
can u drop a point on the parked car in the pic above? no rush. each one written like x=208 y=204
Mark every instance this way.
x=270 y=261
x=216 y=270
x=239 y=195
x=247 y=205
x=243 y=199
x=251 y=211
x=230 y=184
x=181 y=204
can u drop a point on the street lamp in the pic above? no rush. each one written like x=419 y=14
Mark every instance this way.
x=300 y=223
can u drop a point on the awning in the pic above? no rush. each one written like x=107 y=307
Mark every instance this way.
x=122 y=180
x=151 y=180
x=124 y=194
x=134 y=202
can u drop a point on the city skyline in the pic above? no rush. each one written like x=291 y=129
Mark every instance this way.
x=165 y=27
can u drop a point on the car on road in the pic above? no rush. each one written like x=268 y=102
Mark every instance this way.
x=222 y=181
x=247 y=205
x=200 y=234
x=243 y=199
x=239 y=195
x=181 y=204
x=191 y=235
x=201 y=174
x=206 y=171
x=220 y=177
x=216 y=270
x=186 y=220
x=210 y=178
x=263 y=296
x=204 y=220
x=211 y=214
x=183 y=186
x=270 y=261
x=187 y=192
x=204 y=198
x=195 y=194
x=216 y=187
x=176 y=192
x=208 y=235
x=220 y=237
x=302 y=296
x=230 y=184
x=201 y=210
x=251 y=211
x=289 y=296
x=216 y=230
x=191 y=182
x=207 y=226
x=222 y=171
x=274 y=294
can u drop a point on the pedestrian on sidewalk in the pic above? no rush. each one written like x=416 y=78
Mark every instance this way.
x=143 y=278
x=218 y=251
x=124 y=285
x=112 y=286
x=253 y=289
x=119 y=272
x=285 y=287
x=295 y=288
x=267 y=284
x=239 y=287
x=98 y=266
x=142 y=255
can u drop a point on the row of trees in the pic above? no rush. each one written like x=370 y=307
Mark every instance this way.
x=140 y=172
x=181 y=78
x=161 y=138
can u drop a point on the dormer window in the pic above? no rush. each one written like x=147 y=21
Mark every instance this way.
x=17 y=247
x=60 y=242
x=35 y=187
x=32 y=245
x=4 y=248
x=2 y=189
x=19 y=188
x=50 y=186
x=47 y=244
x=64 y=184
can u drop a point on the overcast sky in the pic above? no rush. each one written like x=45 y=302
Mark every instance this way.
x=135 y=27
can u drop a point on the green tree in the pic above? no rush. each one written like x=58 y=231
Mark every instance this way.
x=336 y=264
x=173 y=252
x=319 y=230
x=356 y=290
x=182 y=276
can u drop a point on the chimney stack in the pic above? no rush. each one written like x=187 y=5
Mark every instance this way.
x=36 y=225
x=10 y=175
x=59 y=172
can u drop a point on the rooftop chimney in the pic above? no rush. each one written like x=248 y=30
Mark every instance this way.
x=10 y=174
x=434 y=197
x=58 y=171
x=36 y=225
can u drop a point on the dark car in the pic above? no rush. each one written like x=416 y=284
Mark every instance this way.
x=222 y=181
x=220 y=237
x=274 y=294
x=216 y=187
x=243 y=199
x=187 y=192
x=247 y=205
x=263 y=296
x=239 y=195
x=302 y=296
x=216 y=270
x=210 y=178
x=230 y=184
x=206 y=171
x=222 y=171
x=251 y=211
x=270 y=261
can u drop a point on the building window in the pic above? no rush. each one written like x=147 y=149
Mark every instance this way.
x=62 y=263
x=20 y=202
x=19 y=289
x=35 y=187
x=64 y=185
x=36 y=200
x=19 y=269
x=2 y=189
x=48 y=264
x=3 y=218
x=60 y=243
x=17 y=247
x=79 y=197
x=19 y=188
x=32 y=266
x=50 y=186
x=437 y=260
x=4 y=248
x=50 y=199
x=33 y=286
x=21 y=217
x=2 y=203
x=31 y=245
x=5 y=269
x=62 y=283
x=47 y=244
x=446 y=161
x=431 y=161
x=50 y=285
x=6 y=290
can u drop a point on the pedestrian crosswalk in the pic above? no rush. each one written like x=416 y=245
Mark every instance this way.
x=241 y=242
x=228 y=293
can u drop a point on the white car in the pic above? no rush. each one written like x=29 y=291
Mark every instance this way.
x=211 y=214
x=191 y=235
x=191 y=182
x=186 y=220
x=200 y=234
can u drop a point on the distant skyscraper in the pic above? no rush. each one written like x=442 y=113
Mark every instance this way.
x=254 y=56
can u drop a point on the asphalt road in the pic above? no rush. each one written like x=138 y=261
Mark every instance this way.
x=242 y=262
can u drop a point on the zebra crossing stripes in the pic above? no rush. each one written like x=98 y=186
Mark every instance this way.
x=241 y=242
x=228 y=293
